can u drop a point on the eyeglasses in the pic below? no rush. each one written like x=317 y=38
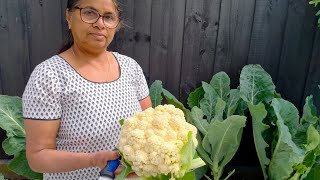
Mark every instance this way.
x=91 y=16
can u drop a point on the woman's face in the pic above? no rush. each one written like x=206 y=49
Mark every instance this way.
x=96 y=35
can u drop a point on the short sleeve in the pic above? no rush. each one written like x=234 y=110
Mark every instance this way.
x=41 y=97
x=140 y=83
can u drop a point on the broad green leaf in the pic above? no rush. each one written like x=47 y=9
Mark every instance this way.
x=206 y=144
x=13 y=145
x=197 y=118
x=242 y=107
x=313 y=138
x=208 y=103
x=259 y=113
x=155 y=93
x=188 y=176
x=221 y=84
x=318 y=13
x=315 y=171
x=187 y=153
x=19 y=165
x=232 y=103
x=256 y=85
x=11 y=119
x=308 y=162
x=286 y=153
x=202 y=152
x=195 y=97
x=310 y=114
x=219 y=109
x=200 y=172
x=289 y=114
x=224 y=137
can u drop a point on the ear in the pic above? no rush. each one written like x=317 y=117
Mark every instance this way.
x=68 y=17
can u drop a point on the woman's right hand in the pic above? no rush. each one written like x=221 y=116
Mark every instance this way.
x=100 y=159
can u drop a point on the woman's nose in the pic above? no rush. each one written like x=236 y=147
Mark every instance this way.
x=100 y=23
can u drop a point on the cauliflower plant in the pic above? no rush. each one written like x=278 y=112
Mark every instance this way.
x=159 y=142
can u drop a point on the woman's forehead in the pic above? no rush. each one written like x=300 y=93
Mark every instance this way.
x=101 y=5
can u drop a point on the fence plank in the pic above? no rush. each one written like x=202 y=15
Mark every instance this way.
x=200 y=36
x=267 y=34
x=166 y=42
x=142 y=34
x=14 y=50
x=296 y=51
x=235 y=26
x=124 y=39
x=45 y=31
x=313 y=80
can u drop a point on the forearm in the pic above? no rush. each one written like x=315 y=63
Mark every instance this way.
x=51 y=160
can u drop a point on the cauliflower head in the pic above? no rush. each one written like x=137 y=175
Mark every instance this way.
x=151 y=141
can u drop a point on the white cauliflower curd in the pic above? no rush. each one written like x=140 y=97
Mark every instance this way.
x=158 y=141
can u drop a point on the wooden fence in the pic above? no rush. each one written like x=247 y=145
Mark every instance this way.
x=181 y=42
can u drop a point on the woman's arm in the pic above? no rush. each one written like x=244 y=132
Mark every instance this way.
x=42 y=154
x=145 y=103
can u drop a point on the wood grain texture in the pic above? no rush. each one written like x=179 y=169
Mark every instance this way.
x=268 y=34
x=234 y=34
x=199 y=45
x=296 y=51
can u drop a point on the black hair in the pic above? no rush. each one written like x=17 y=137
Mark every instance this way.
x=69 y=40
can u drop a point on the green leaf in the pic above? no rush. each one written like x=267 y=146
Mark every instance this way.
x=313 y=138
x=202 y=152
x=219 y=109
x=11 y=119
x=221 y=84
x=224 y=137
x=232 y=103
x=197 y=118
x=256 y=85
x=259 y=113
x=13 y=145
x=125 y=171
x=200 y=172
x=315 y=171
x=242 y=107
x=195 y=97
x=155 y=93
x=19 y=165
x=188 y=176
x=286 y=154
x=318 y=13
x=187 y=153
x=208 y=103
x=310 y=114
x=206 y=144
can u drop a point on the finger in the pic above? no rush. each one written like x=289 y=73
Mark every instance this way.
x=118 y=170
x=132 y=175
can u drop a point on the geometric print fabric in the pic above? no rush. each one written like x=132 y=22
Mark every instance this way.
x=89 y=111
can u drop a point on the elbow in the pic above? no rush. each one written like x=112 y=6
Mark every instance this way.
x=33 y=162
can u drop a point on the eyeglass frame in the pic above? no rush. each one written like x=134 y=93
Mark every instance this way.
x=119 y=19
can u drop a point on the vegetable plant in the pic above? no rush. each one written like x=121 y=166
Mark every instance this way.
x=159 y=144
x=11 y=121
x=217 y=112
x=287 y=145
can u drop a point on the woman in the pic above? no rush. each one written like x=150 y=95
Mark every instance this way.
x=73 y=101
